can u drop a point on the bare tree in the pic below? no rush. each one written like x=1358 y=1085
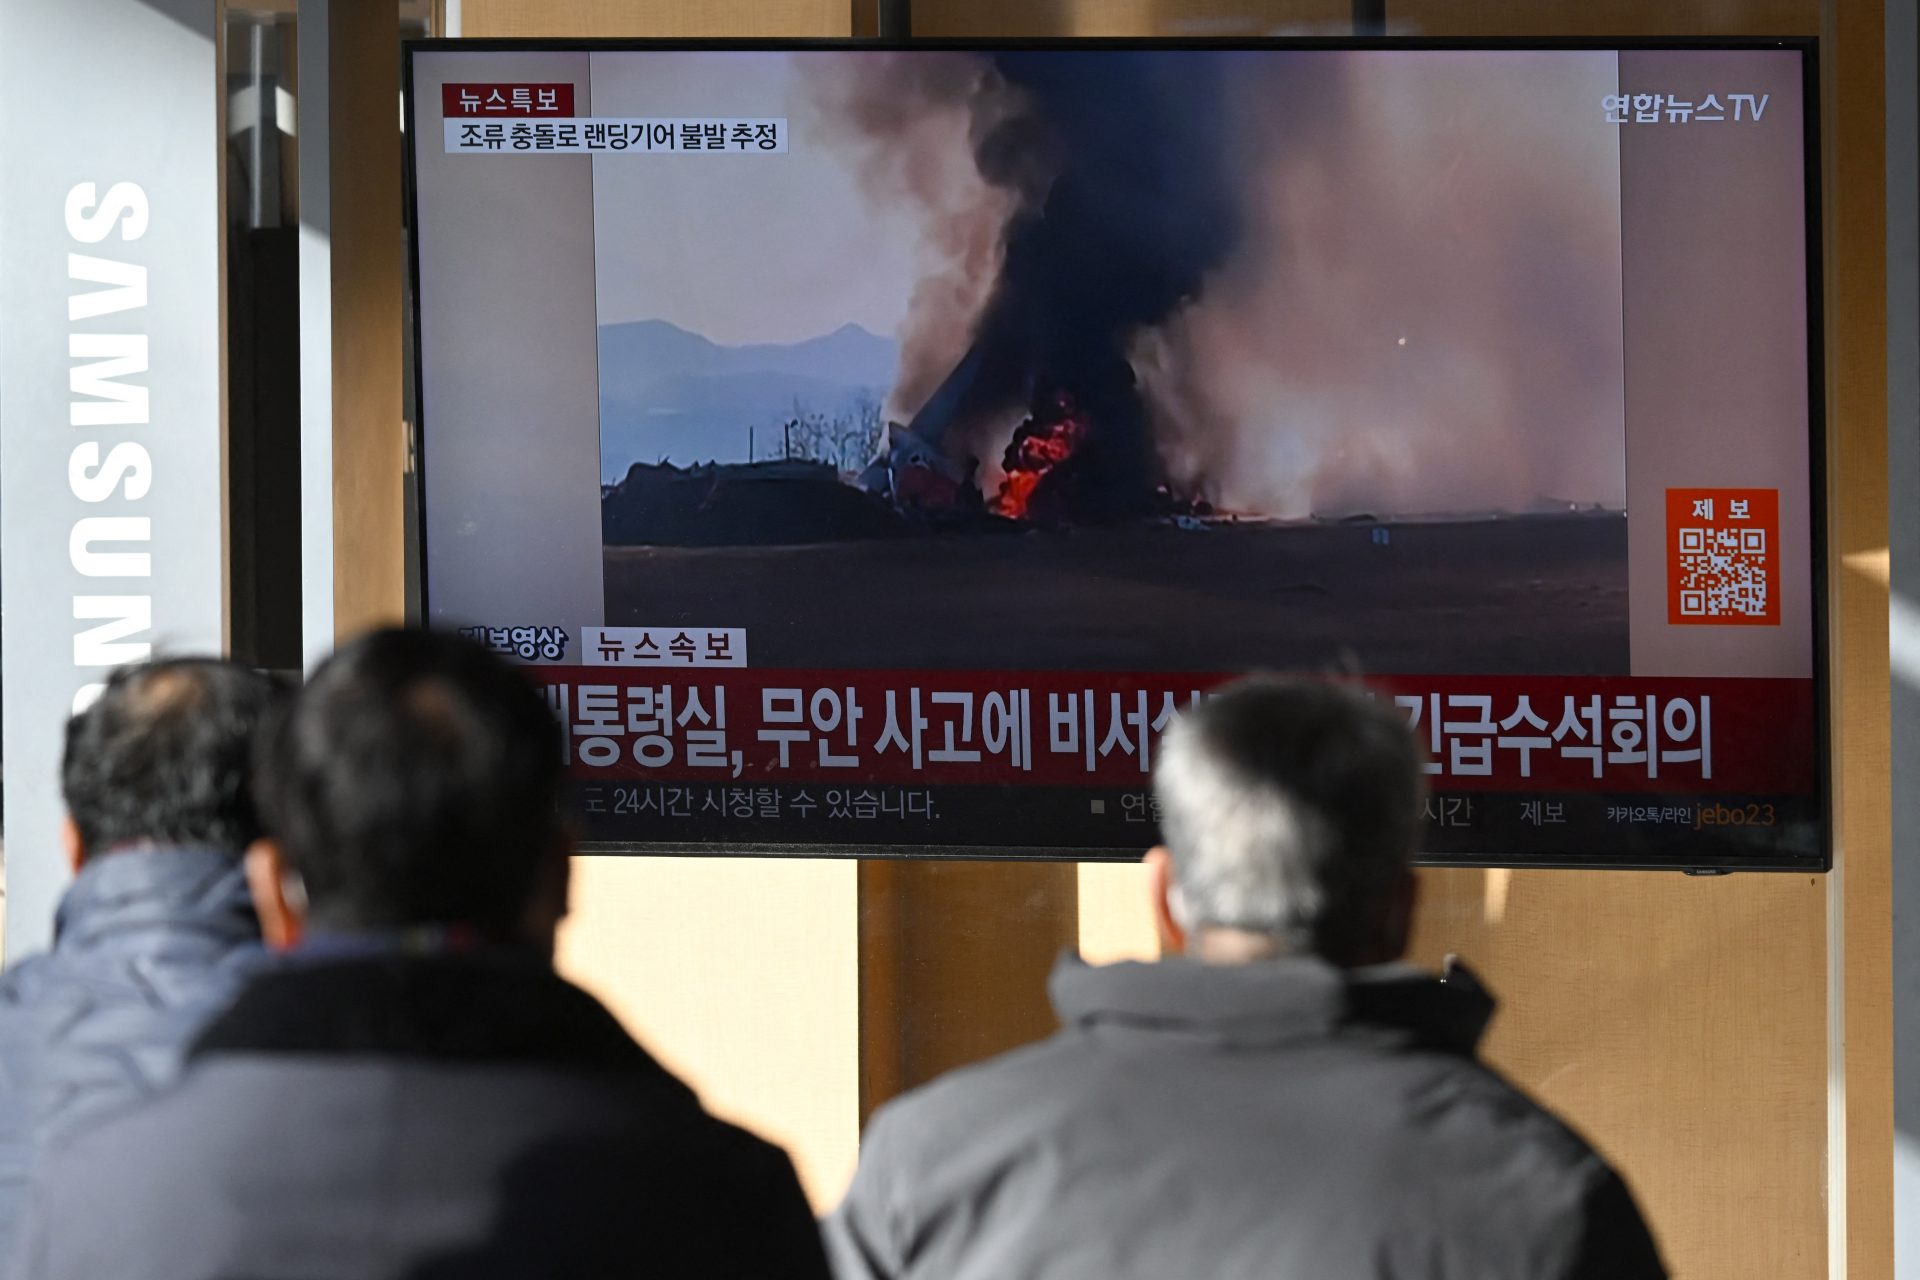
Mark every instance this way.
x=804 y=435
x=846 y=441
x=859 y=435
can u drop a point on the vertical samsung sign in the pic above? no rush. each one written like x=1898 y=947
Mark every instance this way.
x=111 y=494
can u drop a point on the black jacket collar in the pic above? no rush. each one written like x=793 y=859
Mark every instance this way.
x=1274 y=1001
x=501 y=1008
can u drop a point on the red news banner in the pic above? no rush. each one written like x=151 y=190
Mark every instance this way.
x=506 y=100
x=1065 y=729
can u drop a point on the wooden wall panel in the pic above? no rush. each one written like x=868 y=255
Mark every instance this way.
x=1861 y=1008
x=369 y=440
x=1115 y=920
x=988 y=18
x=636 y=18
x=1681 y=1024
x=954 y=958
x=983 y=18
x=1605 y=17
x=740 y=976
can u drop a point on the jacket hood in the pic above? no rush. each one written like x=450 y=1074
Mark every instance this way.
x=177 y=899
x=1273 y=1002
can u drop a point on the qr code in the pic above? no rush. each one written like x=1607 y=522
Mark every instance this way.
x=1723 y=565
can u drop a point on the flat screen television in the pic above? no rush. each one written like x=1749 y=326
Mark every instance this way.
x=869 y=449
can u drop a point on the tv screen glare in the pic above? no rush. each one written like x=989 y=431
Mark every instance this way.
x=870 y=449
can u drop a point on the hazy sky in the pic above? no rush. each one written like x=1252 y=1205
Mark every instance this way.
x=739 y=248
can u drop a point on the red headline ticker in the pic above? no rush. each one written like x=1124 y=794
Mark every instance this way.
x=502 y=101
x=1526 y=733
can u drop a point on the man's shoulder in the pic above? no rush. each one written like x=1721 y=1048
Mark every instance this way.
x=19 y=981
x=265 y=1148
x=360 y=1110
x=1481 y=1102
x=1416 y=1098
x=109 y=980
x=25 y=979
x=1537 y=1179
x=39 y=995
x=108 y=1162
x=1012 y=1089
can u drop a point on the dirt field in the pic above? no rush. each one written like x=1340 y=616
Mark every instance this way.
x=1527 y=595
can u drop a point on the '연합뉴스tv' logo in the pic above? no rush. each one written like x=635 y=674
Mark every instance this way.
x=1672 y=108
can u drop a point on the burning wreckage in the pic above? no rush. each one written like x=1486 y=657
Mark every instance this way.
x=1134 y=205
x=1061 y=467
x=1058 y=470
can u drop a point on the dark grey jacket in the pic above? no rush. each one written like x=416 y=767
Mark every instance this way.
x=149 y=942
x=393 y=1116
x=1280 y=1120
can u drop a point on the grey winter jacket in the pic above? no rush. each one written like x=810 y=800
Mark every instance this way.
x=399 y=1116
x=149 y=943
x=1281 y=1120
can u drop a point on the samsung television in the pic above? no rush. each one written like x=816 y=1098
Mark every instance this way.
x=870 y=449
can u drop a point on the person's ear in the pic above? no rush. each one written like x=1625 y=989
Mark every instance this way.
x=1173 y=939
x=277 y=898
x=72 y=847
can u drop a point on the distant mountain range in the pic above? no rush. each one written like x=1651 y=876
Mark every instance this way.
x=667 y=393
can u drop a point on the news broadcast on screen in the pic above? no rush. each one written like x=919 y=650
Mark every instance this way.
x=870 y=451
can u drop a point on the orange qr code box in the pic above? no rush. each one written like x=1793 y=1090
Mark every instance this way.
x=1723 y=562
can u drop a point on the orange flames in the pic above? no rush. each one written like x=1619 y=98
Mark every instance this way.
x=1037 y=448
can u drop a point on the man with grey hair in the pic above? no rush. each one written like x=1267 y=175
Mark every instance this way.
x=1279 y=1097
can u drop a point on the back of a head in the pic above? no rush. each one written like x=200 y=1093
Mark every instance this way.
x=164 y=754
x=415 y=781
x=1290 y=809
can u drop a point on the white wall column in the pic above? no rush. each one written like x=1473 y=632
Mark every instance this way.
x=112 y=423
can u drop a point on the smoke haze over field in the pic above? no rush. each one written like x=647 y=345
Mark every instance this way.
x=1344 y=281
x=1425 y=311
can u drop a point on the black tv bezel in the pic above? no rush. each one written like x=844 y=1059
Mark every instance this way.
x=1806 y=46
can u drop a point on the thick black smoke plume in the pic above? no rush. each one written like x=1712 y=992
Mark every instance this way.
x=1140 y=205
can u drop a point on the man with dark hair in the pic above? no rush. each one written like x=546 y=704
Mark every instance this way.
x=157 y=930
x=414 y=1092
x=1279 y=1098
